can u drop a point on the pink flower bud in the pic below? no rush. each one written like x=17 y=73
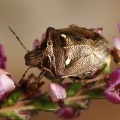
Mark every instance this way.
x=98 y=30
x=43 y=37
x=56 y=92
x=65 y=112
x=24 y=115
x=3 y=58
x=36 y=43
x=112 y=92
x=116 y=42
x=6 y=84
x=119 y=26
x=68 y=112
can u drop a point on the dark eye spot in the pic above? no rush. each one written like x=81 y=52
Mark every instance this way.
x=37 y=47
x=78 y=39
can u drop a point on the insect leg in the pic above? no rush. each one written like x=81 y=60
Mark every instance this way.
x=99 y=77
x=23 y=76
x=41 y=75
x=88 y=80
x=75 y=79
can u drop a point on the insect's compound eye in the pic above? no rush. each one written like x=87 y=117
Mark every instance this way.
x=38 y=51
x=37 y=47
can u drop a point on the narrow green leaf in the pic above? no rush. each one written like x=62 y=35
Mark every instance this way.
x=12 y=115
x=95 y=94
x=44 y=104
x=73 y=89
x=13 y=98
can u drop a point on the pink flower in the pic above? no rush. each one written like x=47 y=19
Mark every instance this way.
x=25 y=115
x=56 y=92
x=116 y=49
x=3 y=58
x=98 y=30
x=112 y=92
x=119 y=26
x=67 y=112
x=37 y=42
x=6 y=84
x=43 y=37
x=116 y=42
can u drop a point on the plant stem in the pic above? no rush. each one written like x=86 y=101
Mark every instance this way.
x=96 y=86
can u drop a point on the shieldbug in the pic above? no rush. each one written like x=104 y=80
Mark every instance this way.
x=74 y=52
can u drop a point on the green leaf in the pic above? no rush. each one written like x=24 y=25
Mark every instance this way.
x=44 y=104
x=12 y=115
x=13 y=98
x=73 y=89
x=41 y=96
x=95 y=94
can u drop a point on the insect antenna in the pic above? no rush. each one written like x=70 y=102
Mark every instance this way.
x=24 y=75
x=18 y=38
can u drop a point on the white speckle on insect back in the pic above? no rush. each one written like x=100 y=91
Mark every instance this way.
x=67 y=62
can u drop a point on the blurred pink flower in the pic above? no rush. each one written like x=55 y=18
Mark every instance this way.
x=56 y=92
x=6 y=84
x=36 y=43
x=116 y=42
x=67 y=112
x=3 y=58
x=112 y=92
x=116 y=45
x=98 y=30
x=43 y=37
x=119 y=26
x=25 y=115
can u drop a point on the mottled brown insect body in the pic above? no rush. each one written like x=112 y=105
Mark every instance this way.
x=70 y=52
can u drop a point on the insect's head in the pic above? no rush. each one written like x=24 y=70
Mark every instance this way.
x=34 y=58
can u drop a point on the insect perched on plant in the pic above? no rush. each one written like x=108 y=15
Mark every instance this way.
x=73 y=52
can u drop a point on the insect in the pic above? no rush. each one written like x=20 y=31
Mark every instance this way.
x=74 y=52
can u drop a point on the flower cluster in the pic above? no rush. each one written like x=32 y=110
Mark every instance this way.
x=65 y=99
x=112 y=92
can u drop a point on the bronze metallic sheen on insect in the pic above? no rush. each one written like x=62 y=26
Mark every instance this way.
x=71 y=52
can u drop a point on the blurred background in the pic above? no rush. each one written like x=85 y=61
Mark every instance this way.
x=30 y=18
